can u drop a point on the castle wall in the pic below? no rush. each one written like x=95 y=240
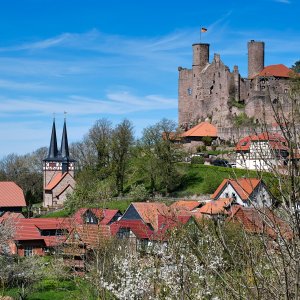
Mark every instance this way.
x=185 y=97
x=211 y=91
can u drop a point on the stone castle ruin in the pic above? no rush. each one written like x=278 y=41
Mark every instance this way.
x=211 y=91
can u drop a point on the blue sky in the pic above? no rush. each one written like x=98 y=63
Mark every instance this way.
x=118 y=59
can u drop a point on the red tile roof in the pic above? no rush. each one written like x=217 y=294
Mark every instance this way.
x=216 y=207
x=11 y=215
x=263 y=221
x=167 y=223
x=29 y=229
x=150 y=210
x=279 y=70
x=104 y=215
x=91 y=235
x=185 y=205
x=11 y=195
x=55 y=181
x=243 y=186
x=276 y=141
x=200 y=130
x=138 y=227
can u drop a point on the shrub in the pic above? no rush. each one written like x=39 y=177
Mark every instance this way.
x=138 y=192
x=197 y=160
x=207 y=140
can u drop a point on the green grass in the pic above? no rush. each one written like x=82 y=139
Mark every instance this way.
x=203 y=179
x=54 y=290
x=56 y=214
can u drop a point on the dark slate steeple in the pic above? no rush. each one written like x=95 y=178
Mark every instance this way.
x=53 y=151
x=64 y=150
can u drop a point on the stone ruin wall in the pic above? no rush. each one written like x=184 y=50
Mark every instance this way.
x=206 y=91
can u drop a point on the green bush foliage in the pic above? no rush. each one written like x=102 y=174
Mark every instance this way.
x=197 y=160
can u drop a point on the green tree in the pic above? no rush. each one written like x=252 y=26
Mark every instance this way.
x=158 y=156
x=121 y=142
x=296 y=66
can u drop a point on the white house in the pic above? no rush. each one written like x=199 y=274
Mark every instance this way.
x=244 y=191
x=261 y=152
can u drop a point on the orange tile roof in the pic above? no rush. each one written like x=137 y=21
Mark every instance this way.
x=11 y=195
x=243 y=186
x=263 y=221
x=185 y=205
x=104 y=215
x=202 y=129
x=215 y=207
x=149 y=211
x=90 y=235
x=55 y=181
x=276 y=141
x=279 y=70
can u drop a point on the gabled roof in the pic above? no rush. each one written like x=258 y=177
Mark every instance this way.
x=138 y=227
x=276 y=141
x=11 y=195
x=104 y=215
x=244 y=187
x=201 y=130
x=11 y=215
x=216 y=207
x=167 y=223
x=149 y=211
x=279 y=70
x=185 y=205
x=89 y=234
x=56 y=180
x=30 y=229
x=261 y=221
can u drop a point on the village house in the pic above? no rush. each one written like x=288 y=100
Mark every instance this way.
x=260 y=221
x=11 y=197
x=216 y=208
x=244 y=191
x=262 y=152
x=147 y=212
x=37 y=236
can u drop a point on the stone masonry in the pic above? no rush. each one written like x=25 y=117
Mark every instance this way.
x=210 y=91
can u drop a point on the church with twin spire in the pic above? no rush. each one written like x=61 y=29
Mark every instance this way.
x=58 y=171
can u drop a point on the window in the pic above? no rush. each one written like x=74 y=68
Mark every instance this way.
x=189 y=91
x=226 y=195
x=28 y=251
x=285 y=91
x=123 y=233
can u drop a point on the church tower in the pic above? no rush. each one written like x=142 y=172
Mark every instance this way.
x=58 y=170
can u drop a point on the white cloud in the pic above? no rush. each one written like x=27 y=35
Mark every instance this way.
x=283 y=1
x=118 y=103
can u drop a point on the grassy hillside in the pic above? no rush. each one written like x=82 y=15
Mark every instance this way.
x=203 y=179
x=197 y=179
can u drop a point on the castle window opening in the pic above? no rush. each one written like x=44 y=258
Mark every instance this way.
x=219 y=74
x=220 y=86
x=189 y=91
x=285 y=91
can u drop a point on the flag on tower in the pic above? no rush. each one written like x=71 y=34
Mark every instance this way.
x=203 y=29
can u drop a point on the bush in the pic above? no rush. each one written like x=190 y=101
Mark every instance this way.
x=197 y=160
x=138 y=192
x=207 y=140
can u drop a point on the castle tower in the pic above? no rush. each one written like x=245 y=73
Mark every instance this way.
x=58 y=169
x=200 y=56
x=256 y=57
